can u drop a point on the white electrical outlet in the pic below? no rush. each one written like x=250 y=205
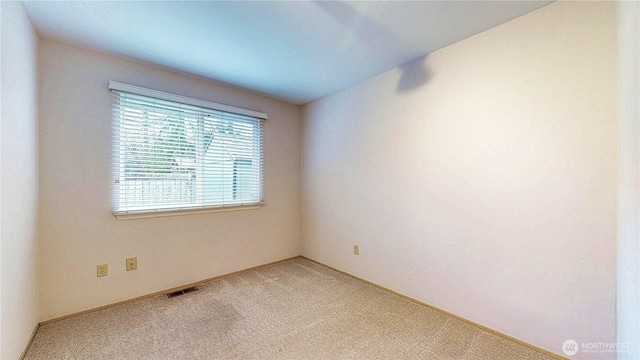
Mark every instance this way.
x=356 y=249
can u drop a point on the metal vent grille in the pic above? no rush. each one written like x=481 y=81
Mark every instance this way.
x=182 y=292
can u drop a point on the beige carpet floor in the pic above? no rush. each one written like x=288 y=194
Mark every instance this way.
x=291 y=310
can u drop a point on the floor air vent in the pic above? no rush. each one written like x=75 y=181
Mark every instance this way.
x=182 y=292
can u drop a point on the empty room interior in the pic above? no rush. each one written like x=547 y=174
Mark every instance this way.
x=426 y=179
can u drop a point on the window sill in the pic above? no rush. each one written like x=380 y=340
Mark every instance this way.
x=145 y=214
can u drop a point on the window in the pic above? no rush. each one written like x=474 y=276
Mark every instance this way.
x=173 y=153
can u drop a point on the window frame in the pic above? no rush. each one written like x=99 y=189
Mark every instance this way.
x=180 y=209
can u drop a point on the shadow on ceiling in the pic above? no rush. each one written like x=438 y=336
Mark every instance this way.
x=414 y=74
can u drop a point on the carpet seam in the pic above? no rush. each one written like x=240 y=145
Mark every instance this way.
x=473 y=342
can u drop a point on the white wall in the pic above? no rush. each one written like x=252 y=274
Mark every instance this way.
x=78 y=230
x=489 y=188
x=19 y=181
x=628 y=290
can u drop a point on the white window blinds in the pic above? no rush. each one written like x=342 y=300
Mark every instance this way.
x=175 y=153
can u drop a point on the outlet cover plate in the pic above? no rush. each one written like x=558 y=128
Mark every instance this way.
x=103 y=270
x=132 y=263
